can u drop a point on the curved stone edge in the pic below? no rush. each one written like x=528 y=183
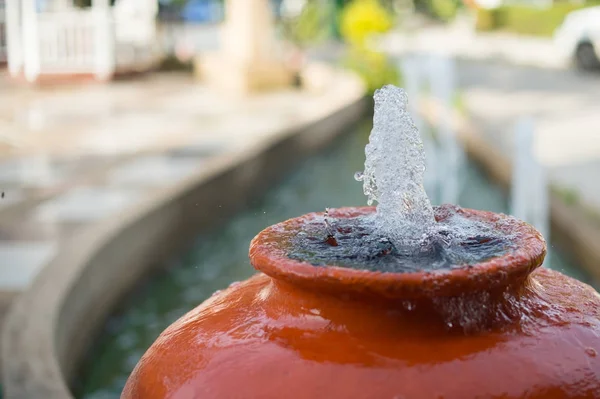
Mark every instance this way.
x=52 y=324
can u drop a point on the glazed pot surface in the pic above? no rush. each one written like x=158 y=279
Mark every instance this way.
x=270 y=337
x=261 y=340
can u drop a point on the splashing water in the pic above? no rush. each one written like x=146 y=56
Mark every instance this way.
x=356 y=243
x=406 y=234
x=394 y=171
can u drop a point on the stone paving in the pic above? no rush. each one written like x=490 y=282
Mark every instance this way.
x=71 y=156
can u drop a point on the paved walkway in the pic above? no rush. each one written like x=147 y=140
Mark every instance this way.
x=71 y=156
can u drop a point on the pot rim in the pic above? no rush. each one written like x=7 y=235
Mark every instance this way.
x=268 y=254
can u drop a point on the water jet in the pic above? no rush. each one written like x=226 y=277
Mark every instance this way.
x=399 y=300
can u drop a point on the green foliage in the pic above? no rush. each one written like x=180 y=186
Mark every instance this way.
x=531 y=21
x=360 y=19
x=373 y=67
x=444 y=10
x=88 y=3
x=310 y=27
x=177 y=3
x=525 y=20
x=568 y=195
x=486 y=20
x=459 y=104
x=172 y=63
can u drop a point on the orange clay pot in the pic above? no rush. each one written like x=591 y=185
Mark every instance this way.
x=497 y=329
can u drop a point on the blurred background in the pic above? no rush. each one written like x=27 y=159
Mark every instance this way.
x=108 y=103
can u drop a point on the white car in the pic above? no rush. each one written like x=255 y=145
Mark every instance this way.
x=578 y=38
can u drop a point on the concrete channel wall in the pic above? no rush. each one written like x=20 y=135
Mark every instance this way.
x=52 y=325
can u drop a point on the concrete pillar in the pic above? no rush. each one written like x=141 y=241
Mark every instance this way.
x=247 y=61
x=14 y=43
x=105 y=40
x=30 y=37
x=248 y=30
x=523 y=166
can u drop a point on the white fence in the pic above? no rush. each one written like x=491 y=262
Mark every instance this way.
x=88 y=41
x=67 y=42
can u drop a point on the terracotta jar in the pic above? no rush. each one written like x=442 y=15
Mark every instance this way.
x=497 y=329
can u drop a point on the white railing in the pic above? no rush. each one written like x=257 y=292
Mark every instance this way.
x=67 y=42
x=86 y=41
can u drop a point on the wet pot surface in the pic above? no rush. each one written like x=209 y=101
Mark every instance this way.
x=302 y=331
x=263 y=340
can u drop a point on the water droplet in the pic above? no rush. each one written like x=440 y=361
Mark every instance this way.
x=359 y=176
x=591 y=352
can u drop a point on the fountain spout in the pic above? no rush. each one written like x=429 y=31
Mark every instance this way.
x=394 y=170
